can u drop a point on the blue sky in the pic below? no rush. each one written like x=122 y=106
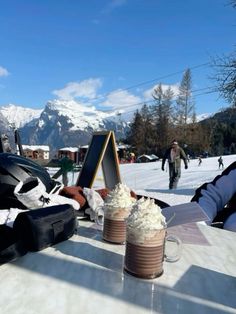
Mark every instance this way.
x=110 y=53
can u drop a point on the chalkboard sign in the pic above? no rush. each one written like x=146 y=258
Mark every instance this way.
x=110 y=164
x=101 y=151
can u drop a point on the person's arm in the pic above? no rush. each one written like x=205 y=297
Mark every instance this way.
x=184 y=157
x=164 y=160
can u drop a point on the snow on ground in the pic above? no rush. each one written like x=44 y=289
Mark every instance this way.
x=149 y=179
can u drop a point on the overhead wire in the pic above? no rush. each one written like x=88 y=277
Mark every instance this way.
x=165 y=76
x=153 y=100
x=151 y=81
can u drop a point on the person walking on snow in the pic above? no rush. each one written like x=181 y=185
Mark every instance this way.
x=199 y=161
x=174 y=154
x=220 y=161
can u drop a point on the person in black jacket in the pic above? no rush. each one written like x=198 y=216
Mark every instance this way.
x=220 y=161
x=218 y=199
x=174 y=154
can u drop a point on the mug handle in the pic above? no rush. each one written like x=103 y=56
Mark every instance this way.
x=99 y=216
x=176 y=256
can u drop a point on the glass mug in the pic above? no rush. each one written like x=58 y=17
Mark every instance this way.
x=114 y=223
x=144 y=259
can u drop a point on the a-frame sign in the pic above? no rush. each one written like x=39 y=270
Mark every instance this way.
x=101 y=151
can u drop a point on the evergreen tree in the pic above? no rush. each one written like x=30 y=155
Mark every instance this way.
x=141 y=132
x=135 y=135
x=148 y=130
x=162 y=115
x=217 y=139
x=185 y=109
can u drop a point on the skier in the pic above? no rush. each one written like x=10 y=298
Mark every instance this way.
x=199 y=161
x=66 y=165
x=174 y=154
x=220 y=161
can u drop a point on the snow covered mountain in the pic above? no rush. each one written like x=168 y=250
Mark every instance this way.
x=19 y=116
x=203 y=116
x=79 y=116
x=69 y=123
x=4 y=125
x=61 y=123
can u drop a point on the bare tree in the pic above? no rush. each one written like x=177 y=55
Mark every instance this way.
x=225 y=76
x=233 y=3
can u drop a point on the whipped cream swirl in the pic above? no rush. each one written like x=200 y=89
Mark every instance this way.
x=146 y=215
x=119 y=201
x=144 y=220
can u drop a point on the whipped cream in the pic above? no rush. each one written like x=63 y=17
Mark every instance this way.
x=144 y=221
x=118 y=202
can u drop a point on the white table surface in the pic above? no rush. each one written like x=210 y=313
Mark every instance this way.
x=85 y=275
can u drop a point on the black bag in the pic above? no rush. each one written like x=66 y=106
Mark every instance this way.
x=43 y=227
x=11 y=247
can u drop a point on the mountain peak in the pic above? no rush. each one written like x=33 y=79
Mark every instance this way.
x=79 y=115
x=18 y=115
x=59 y=105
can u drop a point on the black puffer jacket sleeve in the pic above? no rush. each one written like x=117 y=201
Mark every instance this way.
x=213 y=196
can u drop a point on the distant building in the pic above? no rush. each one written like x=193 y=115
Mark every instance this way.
x=147 y=158
x=82 y=152
x=70 y=152
x=36 y=151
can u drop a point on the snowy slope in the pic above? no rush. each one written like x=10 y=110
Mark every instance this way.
x=149 y=179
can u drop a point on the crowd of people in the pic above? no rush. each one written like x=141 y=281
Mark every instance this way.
x=126 y=156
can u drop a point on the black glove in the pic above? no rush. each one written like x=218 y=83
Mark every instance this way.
x=186 y=166
x=162 y=168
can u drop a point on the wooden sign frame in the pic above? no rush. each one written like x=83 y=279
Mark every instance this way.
x=101 y=151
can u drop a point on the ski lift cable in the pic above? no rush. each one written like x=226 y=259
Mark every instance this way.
x=151 y=81
x=153 y=100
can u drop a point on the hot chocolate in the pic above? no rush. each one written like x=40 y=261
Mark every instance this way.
x=145 y=239
x=117 y=207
